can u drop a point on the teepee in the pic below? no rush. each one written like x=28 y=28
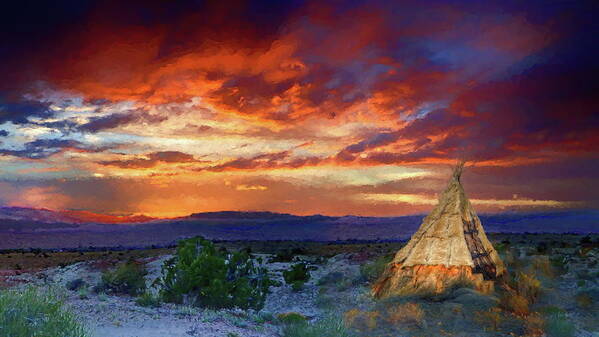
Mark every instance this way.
x=449 y=247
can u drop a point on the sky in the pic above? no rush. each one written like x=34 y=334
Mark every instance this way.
x=167 y=108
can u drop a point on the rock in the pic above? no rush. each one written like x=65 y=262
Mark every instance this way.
x=75 y=284
x=473 y=299
x=330 y=278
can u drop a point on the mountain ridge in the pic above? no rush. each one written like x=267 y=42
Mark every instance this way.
x=23 y=228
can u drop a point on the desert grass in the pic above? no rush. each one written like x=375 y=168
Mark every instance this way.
x=148 y=299
x=528 y=286
x=584 y=300
x=326 y=327
x=558 y=325
x=514 y=303
x=534 y=325
x=406 y=314
x=36 y=312
x=371 y=271
x=362 y=320
x=490 y=319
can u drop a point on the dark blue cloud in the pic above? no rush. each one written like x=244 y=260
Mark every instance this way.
x=18 y=111
x=118 y=119
x=43 y=148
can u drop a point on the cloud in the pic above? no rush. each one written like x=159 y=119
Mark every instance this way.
x=37 y=197
x=19 y=110
x=244 y=187
x=119 y=119
x=417 y=199
x=267 y=161
x=362 y=85
x=290 y=66
x=44 y=148
x=151 y=160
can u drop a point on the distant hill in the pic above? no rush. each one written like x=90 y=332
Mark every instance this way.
x=26 y=228
x=67 y=216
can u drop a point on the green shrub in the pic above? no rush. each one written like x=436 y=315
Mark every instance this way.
x=297 y=286
x=558 y=325
x=148 y=300
x=327 y=327
x=291 y=318
x=33 y=312
x=202 y=276
x=128 y=278
x=371 y=271
x=502 y=247
x=296 y=276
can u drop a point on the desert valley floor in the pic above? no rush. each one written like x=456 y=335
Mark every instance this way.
x=335 y=300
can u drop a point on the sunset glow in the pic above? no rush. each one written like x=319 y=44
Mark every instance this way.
x=302 y=108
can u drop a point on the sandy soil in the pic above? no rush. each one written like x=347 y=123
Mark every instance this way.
x=120 y=316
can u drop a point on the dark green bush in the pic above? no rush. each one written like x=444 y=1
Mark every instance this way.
x=201 y=275
x=287 y=255
x=542 y=248
x=128 y=278
x=296 y=276
x=32 y=312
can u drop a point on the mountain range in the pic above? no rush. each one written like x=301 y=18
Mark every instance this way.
x=42 y=228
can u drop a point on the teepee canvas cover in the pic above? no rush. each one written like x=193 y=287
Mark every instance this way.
x=450 y=245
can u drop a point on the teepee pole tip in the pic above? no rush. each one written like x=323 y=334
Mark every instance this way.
x=457 y=170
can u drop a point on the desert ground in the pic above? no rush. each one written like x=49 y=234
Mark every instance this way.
x=560 y=273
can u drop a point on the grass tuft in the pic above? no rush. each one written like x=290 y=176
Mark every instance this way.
x=515 y=303
x=558 y=325
x=148 y=300
x=406 y=314
x=33 y=312
x=371 y=271
x=327 y=327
